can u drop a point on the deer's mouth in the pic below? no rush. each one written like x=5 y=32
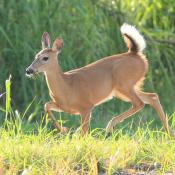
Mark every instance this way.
x=30 y=72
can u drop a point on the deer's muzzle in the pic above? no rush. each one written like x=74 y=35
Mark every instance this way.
x=29 y=71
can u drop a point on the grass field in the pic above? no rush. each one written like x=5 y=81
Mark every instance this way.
x=42 y=151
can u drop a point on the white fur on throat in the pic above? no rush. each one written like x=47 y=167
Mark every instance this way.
x=134 y=34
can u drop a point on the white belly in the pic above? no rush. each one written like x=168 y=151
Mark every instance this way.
x=109 y=97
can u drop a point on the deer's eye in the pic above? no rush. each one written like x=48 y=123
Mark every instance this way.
x=45 y=58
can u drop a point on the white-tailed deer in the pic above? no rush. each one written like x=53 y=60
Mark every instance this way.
x=78 y=91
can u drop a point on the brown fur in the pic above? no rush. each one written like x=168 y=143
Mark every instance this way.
x=79 y=91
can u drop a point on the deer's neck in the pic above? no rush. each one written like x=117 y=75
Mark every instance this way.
x=56 y=82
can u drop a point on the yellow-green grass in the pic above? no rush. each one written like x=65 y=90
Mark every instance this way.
x=47 y=152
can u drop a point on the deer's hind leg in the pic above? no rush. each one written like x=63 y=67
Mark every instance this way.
x=153 y=100
x=137 y=105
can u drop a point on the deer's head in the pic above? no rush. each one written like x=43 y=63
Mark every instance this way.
x=47 y=57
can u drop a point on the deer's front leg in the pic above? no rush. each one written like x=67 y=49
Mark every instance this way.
x=85 y=118
x=51 y=106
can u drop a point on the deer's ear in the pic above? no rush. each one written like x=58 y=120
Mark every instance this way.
x=45 y=40
x=57 y=45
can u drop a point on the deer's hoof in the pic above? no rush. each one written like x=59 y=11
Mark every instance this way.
x=72 y=131
x=172 y=133
x=107 y=135
x=64 y=130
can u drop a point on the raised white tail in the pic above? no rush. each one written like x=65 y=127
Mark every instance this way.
x=137 y=40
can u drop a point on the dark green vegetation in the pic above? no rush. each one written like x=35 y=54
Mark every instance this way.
x=90 y=30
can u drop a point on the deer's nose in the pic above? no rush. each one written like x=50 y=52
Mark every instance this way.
x=29 y=71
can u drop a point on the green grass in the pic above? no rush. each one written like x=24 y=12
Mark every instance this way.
x=47 y=152
x=90 y=30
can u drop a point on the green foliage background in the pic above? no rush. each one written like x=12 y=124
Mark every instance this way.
x=90 y=30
